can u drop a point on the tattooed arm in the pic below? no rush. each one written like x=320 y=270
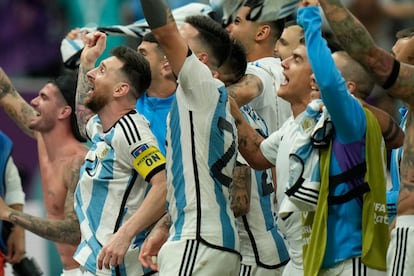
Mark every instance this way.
x=246 y=89
x=14 y=105
x=163 y=26
x=249 y=140
x=356 y=40
x=240 y=190
x=64 y=230
x=95 y=44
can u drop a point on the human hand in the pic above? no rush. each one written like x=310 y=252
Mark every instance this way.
x=74 y=34
x=95 y=44
x=113 y=252
x=16 y=246
x=4 y=210
x=150 y=248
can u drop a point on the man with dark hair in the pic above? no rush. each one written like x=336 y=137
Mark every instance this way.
x=264 y=75
x=201 y=152
x=397 y=78
x=156 y=102
x=50 y=120
x=111 y=200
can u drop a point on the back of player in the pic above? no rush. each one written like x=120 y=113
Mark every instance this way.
x=262 y=247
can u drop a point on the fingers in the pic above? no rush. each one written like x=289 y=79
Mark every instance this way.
x=93 y=38
x=149 y=261
x=108 y=259
x=15 y=256
x=144 y=258
x=73 y=34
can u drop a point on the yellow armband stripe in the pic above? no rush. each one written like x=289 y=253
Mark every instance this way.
x=148 y=160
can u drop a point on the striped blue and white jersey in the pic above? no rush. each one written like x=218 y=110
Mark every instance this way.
x=110 y=189
x=261 y=243
x=201 y=154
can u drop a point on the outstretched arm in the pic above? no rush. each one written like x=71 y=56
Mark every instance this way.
x=14 y=105
x=356 y=40
x=64 y=230
x=163 y=26
x=16 y=243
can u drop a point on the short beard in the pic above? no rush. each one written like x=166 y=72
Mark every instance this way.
x=95 y=104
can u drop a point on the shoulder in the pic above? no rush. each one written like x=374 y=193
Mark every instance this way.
x=132 y=128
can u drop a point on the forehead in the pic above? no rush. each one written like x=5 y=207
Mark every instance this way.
x=49 y=89
x=243 y=12
x=292 y=31
x=112 y=62
x=300 y=51
x=146 y=45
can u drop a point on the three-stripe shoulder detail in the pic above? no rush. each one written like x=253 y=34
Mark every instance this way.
x=130 y=129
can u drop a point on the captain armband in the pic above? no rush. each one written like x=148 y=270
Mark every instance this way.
x=393 y=76
x=148 y=161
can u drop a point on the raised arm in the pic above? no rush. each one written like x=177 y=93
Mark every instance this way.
x=95 y=44
x=14 y=105
x=162 y=24
x=355 y=39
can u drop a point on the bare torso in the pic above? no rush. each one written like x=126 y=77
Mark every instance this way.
x=55 y=190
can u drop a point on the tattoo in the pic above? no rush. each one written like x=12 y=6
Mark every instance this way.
x=356 y=40
x=62 y=231
x=240 y=190
x=246 y=89
x=14 y=105
x=166 y=222
x=82 y=112
x=5 y=85
x=250 y=142
x=157 y=13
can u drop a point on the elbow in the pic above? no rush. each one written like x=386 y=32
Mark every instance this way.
x=396 y=142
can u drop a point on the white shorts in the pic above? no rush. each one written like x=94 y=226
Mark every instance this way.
x=191 y=257
x=291 y=228
x=70 y=272
x=400 y=254
x=293 y=270
x=249 y=270
x=352 y=266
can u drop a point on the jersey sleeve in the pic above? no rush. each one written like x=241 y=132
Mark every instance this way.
x=138 y=147
x=14 y=190
x=198 y=89
x=346 y=112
